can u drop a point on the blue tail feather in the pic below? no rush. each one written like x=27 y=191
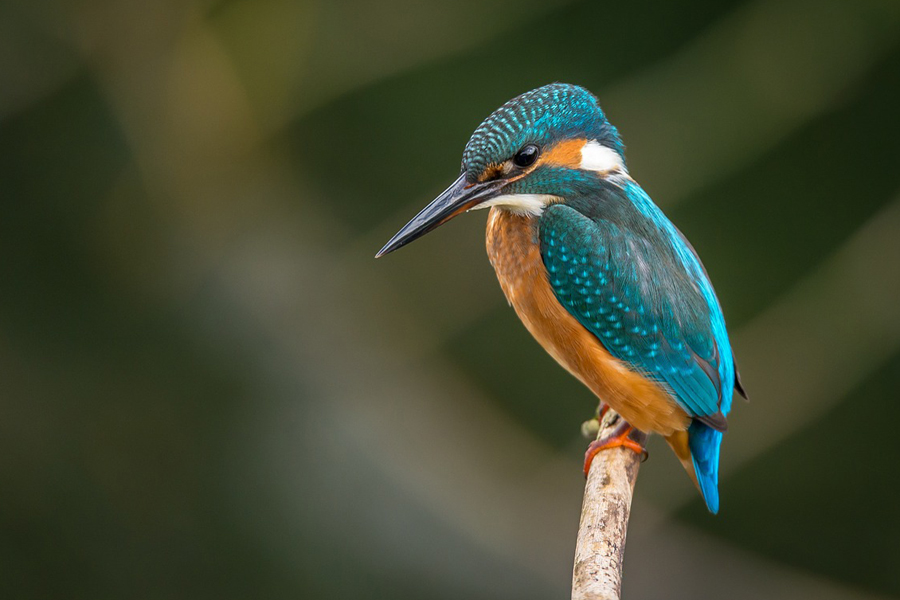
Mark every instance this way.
x=704 y=442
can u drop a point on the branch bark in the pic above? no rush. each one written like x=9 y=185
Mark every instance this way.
x=600 y=548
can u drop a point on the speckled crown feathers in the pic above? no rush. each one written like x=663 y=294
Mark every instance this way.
x=541 y=116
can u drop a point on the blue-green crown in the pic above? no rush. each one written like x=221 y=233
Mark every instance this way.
x=542 y=116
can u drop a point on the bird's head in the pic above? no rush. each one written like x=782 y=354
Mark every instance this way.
x=536 y=149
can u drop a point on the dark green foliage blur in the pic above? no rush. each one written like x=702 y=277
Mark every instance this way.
x=212 y=390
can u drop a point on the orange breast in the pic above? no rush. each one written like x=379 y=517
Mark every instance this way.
x=514 y=251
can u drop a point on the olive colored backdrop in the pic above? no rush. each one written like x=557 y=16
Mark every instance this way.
x=210 y=389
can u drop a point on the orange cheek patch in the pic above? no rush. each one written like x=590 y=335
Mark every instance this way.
x=564 y=154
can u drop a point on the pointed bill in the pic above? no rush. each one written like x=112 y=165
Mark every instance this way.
x=456 y=199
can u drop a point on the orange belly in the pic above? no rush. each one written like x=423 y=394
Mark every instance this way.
x=514 y=251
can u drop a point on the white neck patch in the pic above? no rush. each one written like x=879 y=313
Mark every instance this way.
x=521 y=204
x=599 y=158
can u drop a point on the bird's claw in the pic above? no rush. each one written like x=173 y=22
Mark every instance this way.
x=619 y=438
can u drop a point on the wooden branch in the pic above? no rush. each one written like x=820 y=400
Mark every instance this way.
x=600 y=548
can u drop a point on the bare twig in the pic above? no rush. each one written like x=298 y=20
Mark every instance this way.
x=600 y=548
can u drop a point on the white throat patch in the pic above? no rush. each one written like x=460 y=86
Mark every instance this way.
x=599 y=158
x=521 y=204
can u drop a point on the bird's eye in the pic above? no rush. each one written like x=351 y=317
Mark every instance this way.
x=526 y=156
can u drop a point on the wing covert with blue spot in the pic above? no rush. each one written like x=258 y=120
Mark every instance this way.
x=620 y=286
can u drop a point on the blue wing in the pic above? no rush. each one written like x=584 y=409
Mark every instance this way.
x=629 y=277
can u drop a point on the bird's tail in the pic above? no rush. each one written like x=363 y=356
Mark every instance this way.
x=698 y=450
x=704 y=442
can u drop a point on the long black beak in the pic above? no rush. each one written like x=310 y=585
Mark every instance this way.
x=456 y=199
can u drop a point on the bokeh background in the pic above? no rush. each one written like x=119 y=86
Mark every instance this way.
x=211 y=390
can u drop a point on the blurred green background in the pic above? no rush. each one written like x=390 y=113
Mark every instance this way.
x=211 y=389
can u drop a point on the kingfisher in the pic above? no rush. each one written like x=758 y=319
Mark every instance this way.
x=601 y=278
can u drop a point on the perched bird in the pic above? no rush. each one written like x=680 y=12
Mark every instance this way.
x=600 y=277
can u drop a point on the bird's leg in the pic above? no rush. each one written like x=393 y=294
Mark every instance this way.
x=602 y=409
x=621 y=436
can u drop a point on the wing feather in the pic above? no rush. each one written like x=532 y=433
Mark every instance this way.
x=640 y=300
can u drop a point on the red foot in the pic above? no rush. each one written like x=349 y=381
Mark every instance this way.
x=618 y=438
